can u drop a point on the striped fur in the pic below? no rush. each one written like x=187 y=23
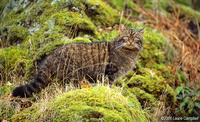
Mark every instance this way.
x=74 y=62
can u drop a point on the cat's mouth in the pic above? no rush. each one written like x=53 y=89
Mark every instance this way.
x=131 y=48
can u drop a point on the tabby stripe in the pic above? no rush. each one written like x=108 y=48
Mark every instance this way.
x=99 y=55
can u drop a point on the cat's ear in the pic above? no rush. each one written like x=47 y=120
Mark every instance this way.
x=133 y=31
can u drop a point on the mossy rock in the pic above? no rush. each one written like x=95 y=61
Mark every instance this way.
x=145 y=98
x=93 y=104
x=97 y=10
x=74 y=21
x=104 y=14
x=149 y=87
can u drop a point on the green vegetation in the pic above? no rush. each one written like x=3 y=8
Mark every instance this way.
x=31 y=30
x=190 y=13
x=94 y=104
x=6 y=110
x=6 y=89
x=121 y=4
x=184 y=2
x=188 y=103
x=13 y=61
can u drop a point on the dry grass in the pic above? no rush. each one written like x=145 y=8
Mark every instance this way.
x=187 y=44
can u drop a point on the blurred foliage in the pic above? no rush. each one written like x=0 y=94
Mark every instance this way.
x=7 y=110
x=188 y=101
x=184 y=2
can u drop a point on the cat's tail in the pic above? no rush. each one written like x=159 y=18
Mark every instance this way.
x=27 y=90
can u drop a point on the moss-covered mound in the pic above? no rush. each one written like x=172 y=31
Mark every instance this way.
x=149 y=87
x=93 y=104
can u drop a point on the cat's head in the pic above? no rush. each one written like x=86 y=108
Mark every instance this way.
x=131 y=40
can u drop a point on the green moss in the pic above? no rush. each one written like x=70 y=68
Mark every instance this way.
x=94 y=104
x=75 y=21
x=149 y=86
x=6 y=89
x=121 y=4
x=146 y=99
x=108 y=36
x=12 y=35
x=7 y=110
x=82 y=39
x=153 y=45
x=14 y=61
x=101 y=12
x=97 y=10
x=189 y=12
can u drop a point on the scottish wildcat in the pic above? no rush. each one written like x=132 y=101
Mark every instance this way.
x=74 y=62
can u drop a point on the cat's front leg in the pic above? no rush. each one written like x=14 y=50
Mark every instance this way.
x=111 y=72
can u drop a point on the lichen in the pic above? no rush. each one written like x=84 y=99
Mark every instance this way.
x=93 y=104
